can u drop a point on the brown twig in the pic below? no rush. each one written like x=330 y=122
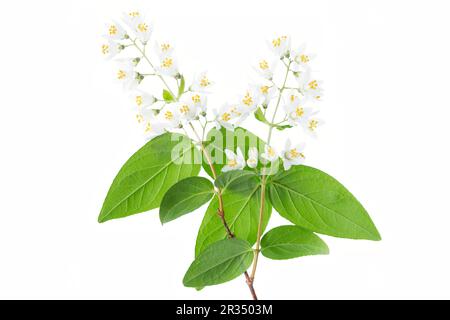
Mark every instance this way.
x=221 y=214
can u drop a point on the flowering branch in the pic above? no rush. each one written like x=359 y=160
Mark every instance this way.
x=158 y=177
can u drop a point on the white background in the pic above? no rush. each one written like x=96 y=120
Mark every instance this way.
x=66 y=129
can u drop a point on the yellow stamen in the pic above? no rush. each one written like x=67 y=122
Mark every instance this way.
x=304 y=58
x=232 y=163
x=293 y=97
x=148 y=127
x=248 y=100
x=139 y=118
x=113 y=30
x=294 y=154
x=196 y=98
x=204 y=82
x=105 y=49
x=165 y=47
x=270 y=152
x=139 y=100
x=235 y=111
x=264 y=65
x=121 y=75
x=226 y=117
x=167 y=63
x=299 y=111
x=313 y=85
x=264 y=89
x=313 y=124
x=134 y=14
x=168 y=115
x=142 y=27
x=184 y=109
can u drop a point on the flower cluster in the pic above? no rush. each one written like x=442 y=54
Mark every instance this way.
x=175 y=108
x=285 y=105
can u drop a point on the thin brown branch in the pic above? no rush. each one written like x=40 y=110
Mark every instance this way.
x=221 y=214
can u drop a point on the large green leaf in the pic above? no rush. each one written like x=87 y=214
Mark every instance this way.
x=185 y=196
x=314 y=200
x=219 y=140
x=287 y=242
x=220 y=262
x=144 y=179
x=241 y=193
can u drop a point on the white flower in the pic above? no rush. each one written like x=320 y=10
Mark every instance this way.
x=201 y=83
x=249 y=101
x=199 y=100
x=136 y=22
x=126 y=74
x=300 y=58
x=265 y=93
x=280 y=45
x=142 y=99
x=270 y=154
x=296 y=111
x=234 y=161
x=115 y=31
x=310 y=87
x=168 y=66
x=266 y=69
x=292 y=155
x=187 y=109
x=228 y=116
x=131 y=18
x=111 y=49
x=163 y=49
x=170 y=116
x=311 y=124
x=253 y=155
x=152 y=127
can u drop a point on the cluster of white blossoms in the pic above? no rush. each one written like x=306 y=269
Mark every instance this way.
x=184 y=107
x=175 y=108
x=296 y=100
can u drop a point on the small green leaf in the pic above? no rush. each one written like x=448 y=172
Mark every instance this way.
x=185 y=196
x=283 y=127
x=167 y=96
x=316 y=201
x=287 y=242
x=181 y=87
x=259 y=115
x=220 y=262
x=241 y=194
x=144 y=179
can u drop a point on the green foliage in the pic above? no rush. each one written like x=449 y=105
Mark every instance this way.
x=185 y=196
x=182 y=86
x=144 y=179
x=259 y=115
x=316 y=201
x=241 y=193
x=287 y=242
x=167 y=96
x=218 y=263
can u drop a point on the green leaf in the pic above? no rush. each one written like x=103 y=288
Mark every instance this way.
x=259 y=115
x=185 y=196
x=316 y=201
x=144 y=179
x=220 y=262
x=167 y=96
x=181 y=87
x=241 y=193
x=287 y=242
x=219 y=140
